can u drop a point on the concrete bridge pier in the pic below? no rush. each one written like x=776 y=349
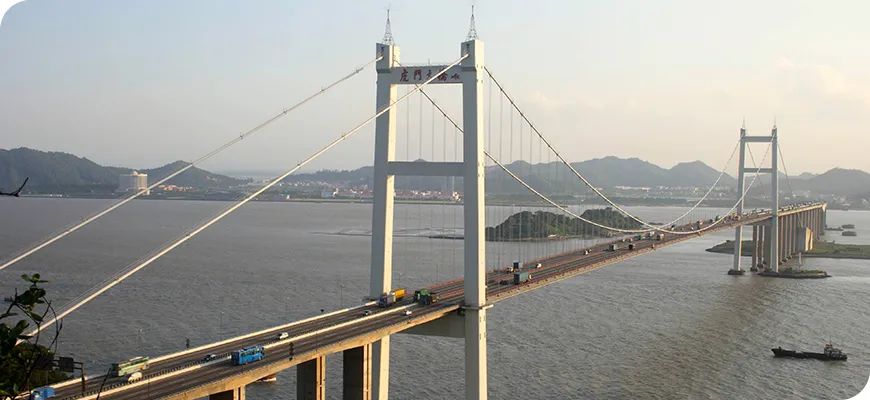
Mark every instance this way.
x=235 y=394
x=311 y=379
x=765 y=251
x=787 y=237
x=357 y=373
x=759 y=248
x=754 y=266
x=781 y=238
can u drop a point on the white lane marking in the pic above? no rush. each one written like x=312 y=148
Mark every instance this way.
x=149 y=380
x=210 y=345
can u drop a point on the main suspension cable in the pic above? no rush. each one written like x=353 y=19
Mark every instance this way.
x=784 y=168
x=567 y=211
x=598 y=192
x=70 y=229
x=148 y=260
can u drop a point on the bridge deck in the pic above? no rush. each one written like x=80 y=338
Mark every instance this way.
x=185 y=375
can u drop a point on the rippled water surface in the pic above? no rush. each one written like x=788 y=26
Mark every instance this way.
x=667 y=325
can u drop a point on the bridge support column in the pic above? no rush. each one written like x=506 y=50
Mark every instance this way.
x=795 y=222
x=235 y=394
x=382 y=208
x=738 y=231
x=765 y=250
x=819 y=220
x=779 y=242
x=762 y=240
x=792 y=235
x=824 y=221
x=755 y=258
x=474 y=215
x=786 y=238
x=356 y=373
x=311 y=379
x=775 y=252
x=475 y=354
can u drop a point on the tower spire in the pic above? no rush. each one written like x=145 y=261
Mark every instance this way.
x=472 y=30
x=388 y=32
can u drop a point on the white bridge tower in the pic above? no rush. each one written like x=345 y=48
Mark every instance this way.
x=774 y=257
x=469 y=73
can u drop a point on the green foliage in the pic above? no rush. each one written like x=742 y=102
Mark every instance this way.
x=20 y=352
x=842 y=250
x=543 y=225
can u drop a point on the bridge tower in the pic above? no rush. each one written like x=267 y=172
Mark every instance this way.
x=771 y=236
x=469 y=73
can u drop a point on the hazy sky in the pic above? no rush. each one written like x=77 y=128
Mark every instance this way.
x=142 y=83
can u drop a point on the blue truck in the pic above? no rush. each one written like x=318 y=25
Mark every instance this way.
x=248 y=355
x=42 y=393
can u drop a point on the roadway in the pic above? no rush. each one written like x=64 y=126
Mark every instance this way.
x=186 y=375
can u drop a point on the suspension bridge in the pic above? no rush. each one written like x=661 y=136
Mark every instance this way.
x=493 y=136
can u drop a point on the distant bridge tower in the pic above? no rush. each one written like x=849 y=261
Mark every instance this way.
x=771 y=231
x=469 y=73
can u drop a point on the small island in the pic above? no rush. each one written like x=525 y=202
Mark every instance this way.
x=544 y=225
x=821 y=250
x=796 y=273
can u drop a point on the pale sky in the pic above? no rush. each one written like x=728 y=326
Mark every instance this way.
x=142 y=83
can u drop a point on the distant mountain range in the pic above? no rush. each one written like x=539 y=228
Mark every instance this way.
x=57 y=172
x=844 y=182
x=611 y=172
x=552 y=177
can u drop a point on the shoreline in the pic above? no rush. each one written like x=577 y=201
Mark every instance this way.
x=667 y=203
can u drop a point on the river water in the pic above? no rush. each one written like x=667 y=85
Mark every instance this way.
x=667 y=325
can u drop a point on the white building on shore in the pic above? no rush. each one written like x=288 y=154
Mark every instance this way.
x=133 y=182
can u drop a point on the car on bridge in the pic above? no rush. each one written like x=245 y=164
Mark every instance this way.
x=134 y=377
x=210 y=357
x=282 y=336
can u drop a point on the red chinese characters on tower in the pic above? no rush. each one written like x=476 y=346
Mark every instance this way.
x=418 y=74
x=404 y=77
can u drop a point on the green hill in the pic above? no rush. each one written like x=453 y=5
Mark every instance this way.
x=543 y=225
x=58 y=172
